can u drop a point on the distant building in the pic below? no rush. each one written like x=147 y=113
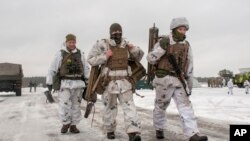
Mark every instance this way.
x=244 y=70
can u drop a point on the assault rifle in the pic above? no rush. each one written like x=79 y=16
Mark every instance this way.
x=177 y=69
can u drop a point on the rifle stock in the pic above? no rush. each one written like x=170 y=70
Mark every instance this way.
x=90 y=94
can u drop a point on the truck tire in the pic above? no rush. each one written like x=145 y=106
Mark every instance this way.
x=18 y=92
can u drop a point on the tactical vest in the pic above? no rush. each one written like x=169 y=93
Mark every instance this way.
x=119 y=59
x=180 y=52
x=72 y=65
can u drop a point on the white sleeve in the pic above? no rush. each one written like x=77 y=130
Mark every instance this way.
x=85 y=66
x=155 y=54
x=190 y=63
x=53 y=69
x=190 y=69
x=97 y=55
x=137 y=53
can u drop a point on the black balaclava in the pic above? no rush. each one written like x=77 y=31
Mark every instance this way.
x=117 y=37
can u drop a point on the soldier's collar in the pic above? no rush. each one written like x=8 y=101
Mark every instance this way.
x=112 y=42
x=73 y=51
x=172 y=42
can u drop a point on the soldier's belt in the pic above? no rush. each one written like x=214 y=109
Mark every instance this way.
x=72 y=77
x=162 y=73
x=117 y=77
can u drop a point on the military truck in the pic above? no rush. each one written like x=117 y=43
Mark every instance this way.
x=240 y=78
x=11 y=78
x=226 y=74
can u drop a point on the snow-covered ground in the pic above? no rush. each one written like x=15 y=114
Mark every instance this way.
x=211 y=103
x=30 y=118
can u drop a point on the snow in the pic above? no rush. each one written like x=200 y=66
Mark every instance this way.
x=30 y=118
x=210 y=103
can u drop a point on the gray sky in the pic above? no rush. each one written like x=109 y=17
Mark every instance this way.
x=32 y=31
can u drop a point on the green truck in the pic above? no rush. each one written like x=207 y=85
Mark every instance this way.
x=11 y=78
x=240 y=78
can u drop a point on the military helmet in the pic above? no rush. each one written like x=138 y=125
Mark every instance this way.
x=115 y=27
x=70 y=37
x=177 y=22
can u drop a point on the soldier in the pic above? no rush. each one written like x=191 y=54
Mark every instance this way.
x=230 y=86
x=69 y=63
x=35 y=85
x=247 y=84
x=113 y=54
x=30 y=85
x=223 y=82
x=167 y=83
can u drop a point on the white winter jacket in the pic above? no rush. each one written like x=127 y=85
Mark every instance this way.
x=55 y=65
x=246 y=83
x=97 y=57
x=230 y=84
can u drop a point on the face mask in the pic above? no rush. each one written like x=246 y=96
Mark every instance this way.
x=178 y=36
x=117 y=37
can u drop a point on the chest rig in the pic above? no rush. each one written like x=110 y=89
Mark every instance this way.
x=72 y=66
x=180 y=52
x=119 y=59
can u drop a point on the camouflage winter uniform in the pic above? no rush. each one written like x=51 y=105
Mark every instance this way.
x=70 y=93
x=247 y=84
x=118 y=88
x=169 y=86
x=230 y=86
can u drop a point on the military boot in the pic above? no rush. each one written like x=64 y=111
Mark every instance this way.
x=111 y=135
x=134 y=137
x=196 y=137
x=159 y=134
x=65 y=128
x=73 y=129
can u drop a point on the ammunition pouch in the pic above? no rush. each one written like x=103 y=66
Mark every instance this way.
x=56 y=82
x=162 y=73
x=72 y=77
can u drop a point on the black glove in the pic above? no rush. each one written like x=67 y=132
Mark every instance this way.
x=49 y=87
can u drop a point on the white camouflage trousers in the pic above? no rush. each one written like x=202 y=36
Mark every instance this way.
x=230 y=91
x=165 y=90
x=69 y=105
x=132 y=123
x=247 y=89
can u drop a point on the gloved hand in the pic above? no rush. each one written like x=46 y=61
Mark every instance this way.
x=189 y=84
x=49 y=87
x=164 y=42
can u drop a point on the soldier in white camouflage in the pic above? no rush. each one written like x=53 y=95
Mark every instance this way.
x=70 y=66
x=246 y=85
x=113 y=54
x=167 y=83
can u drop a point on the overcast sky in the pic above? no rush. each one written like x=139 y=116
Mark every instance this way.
x=32 y=31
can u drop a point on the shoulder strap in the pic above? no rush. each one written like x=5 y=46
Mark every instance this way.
x=66 y=57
